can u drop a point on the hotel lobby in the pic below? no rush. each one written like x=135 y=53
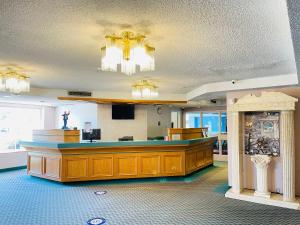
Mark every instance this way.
x=149 y=112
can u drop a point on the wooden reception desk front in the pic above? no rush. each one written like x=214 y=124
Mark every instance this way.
x=68 y=162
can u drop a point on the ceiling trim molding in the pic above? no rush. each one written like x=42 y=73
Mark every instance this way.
x=262 y=82
x=125 y=101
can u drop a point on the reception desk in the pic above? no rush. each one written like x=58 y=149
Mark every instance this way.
x=69 y=162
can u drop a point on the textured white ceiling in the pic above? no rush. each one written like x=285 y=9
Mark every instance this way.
x=197 y=42
x=294 y=18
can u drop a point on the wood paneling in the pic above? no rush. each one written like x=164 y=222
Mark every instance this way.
x=75 y=167
x=149 y=164
x=208 y=156
x=52 y=167
x=186 y=133
x=200 y=159
x=173 y=163
x=81 y=164
x=35 y=163
x=126 y=165
x=56 y=135
x=191 y=161
x=124 y=101
x=101 y=166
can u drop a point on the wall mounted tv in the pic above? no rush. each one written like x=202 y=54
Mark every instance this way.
x=122 y=112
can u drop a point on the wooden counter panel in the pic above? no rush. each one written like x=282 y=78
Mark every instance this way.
x=126 y=165
x=186 y=133
x=149 y=164
x=199 y=156
x=191 y=161
x=56 y=135
x=124 y=149
x=105 y=163
x=101 y=166
x=75 y=168
x=52 y=166
x=35 y=164
x=200 y=161
x=173 y=164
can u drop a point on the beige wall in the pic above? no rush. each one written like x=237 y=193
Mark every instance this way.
x=153 y=128
x=111 y=129
x=145 y=123
x=275 y=170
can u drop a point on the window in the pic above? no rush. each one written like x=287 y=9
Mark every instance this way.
x=211 y=121
x=216 y=122
x=224 y=147
x=16 y=124
x=216 y=148
x=192 y=120
x=223 y=122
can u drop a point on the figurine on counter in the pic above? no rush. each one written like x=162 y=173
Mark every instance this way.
x=65 y=118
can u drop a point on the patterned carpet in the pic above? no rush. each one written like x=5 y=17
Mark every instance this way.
x=197 y=199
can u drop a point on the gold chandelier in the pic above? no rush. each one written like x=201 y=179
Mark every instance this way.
x=128 y=50
x=144 y=89
x=13 y=81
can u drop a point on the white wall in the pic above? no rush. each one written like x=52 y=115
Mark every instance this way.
x=79 y=114
x=49 y=117
x=111 y=129
x=9 y=159
x=13 y=159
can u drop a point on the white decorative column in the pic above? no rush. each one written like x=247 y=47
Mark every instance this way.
x=263 y=102
x=287 y=147
x=261 y=163
x=236 y=160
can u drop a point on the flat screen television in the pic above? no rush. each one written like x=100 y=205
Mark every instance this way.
x=122 y=112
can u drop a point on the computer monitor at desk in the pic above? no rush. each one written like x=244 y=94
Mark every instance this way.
x=91 y=135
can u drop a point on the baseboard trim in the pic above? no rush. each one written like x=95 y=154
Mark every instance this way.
x=13 y=168
x=274 y=200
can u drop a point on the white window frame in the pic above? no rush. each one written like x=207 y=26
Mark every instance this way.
x=221 y=136
x=14 y=105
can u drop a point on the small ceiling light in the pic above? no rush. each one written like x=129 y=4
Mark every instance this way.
x=144 y=89
x=128 y=50
x=13 y=81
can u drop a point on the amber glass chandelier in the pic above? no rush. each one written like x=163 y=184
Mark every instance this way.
x=128 y=50
x=14 y=82
x=144 y=89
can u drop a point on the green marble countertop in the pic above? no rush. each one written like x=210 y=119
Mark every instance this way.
x=111 y=143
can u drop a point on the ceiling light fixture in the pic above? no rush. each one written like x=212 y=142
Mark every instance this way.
x=128 y=50
x=13 y=81
x=144 y=89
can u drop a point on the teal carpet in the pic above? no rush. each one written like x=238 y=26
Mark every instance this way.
x=197 y=199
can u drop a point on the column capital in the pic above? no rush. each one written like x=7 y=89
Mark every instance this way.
x=261 y=161
x=287 y=111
